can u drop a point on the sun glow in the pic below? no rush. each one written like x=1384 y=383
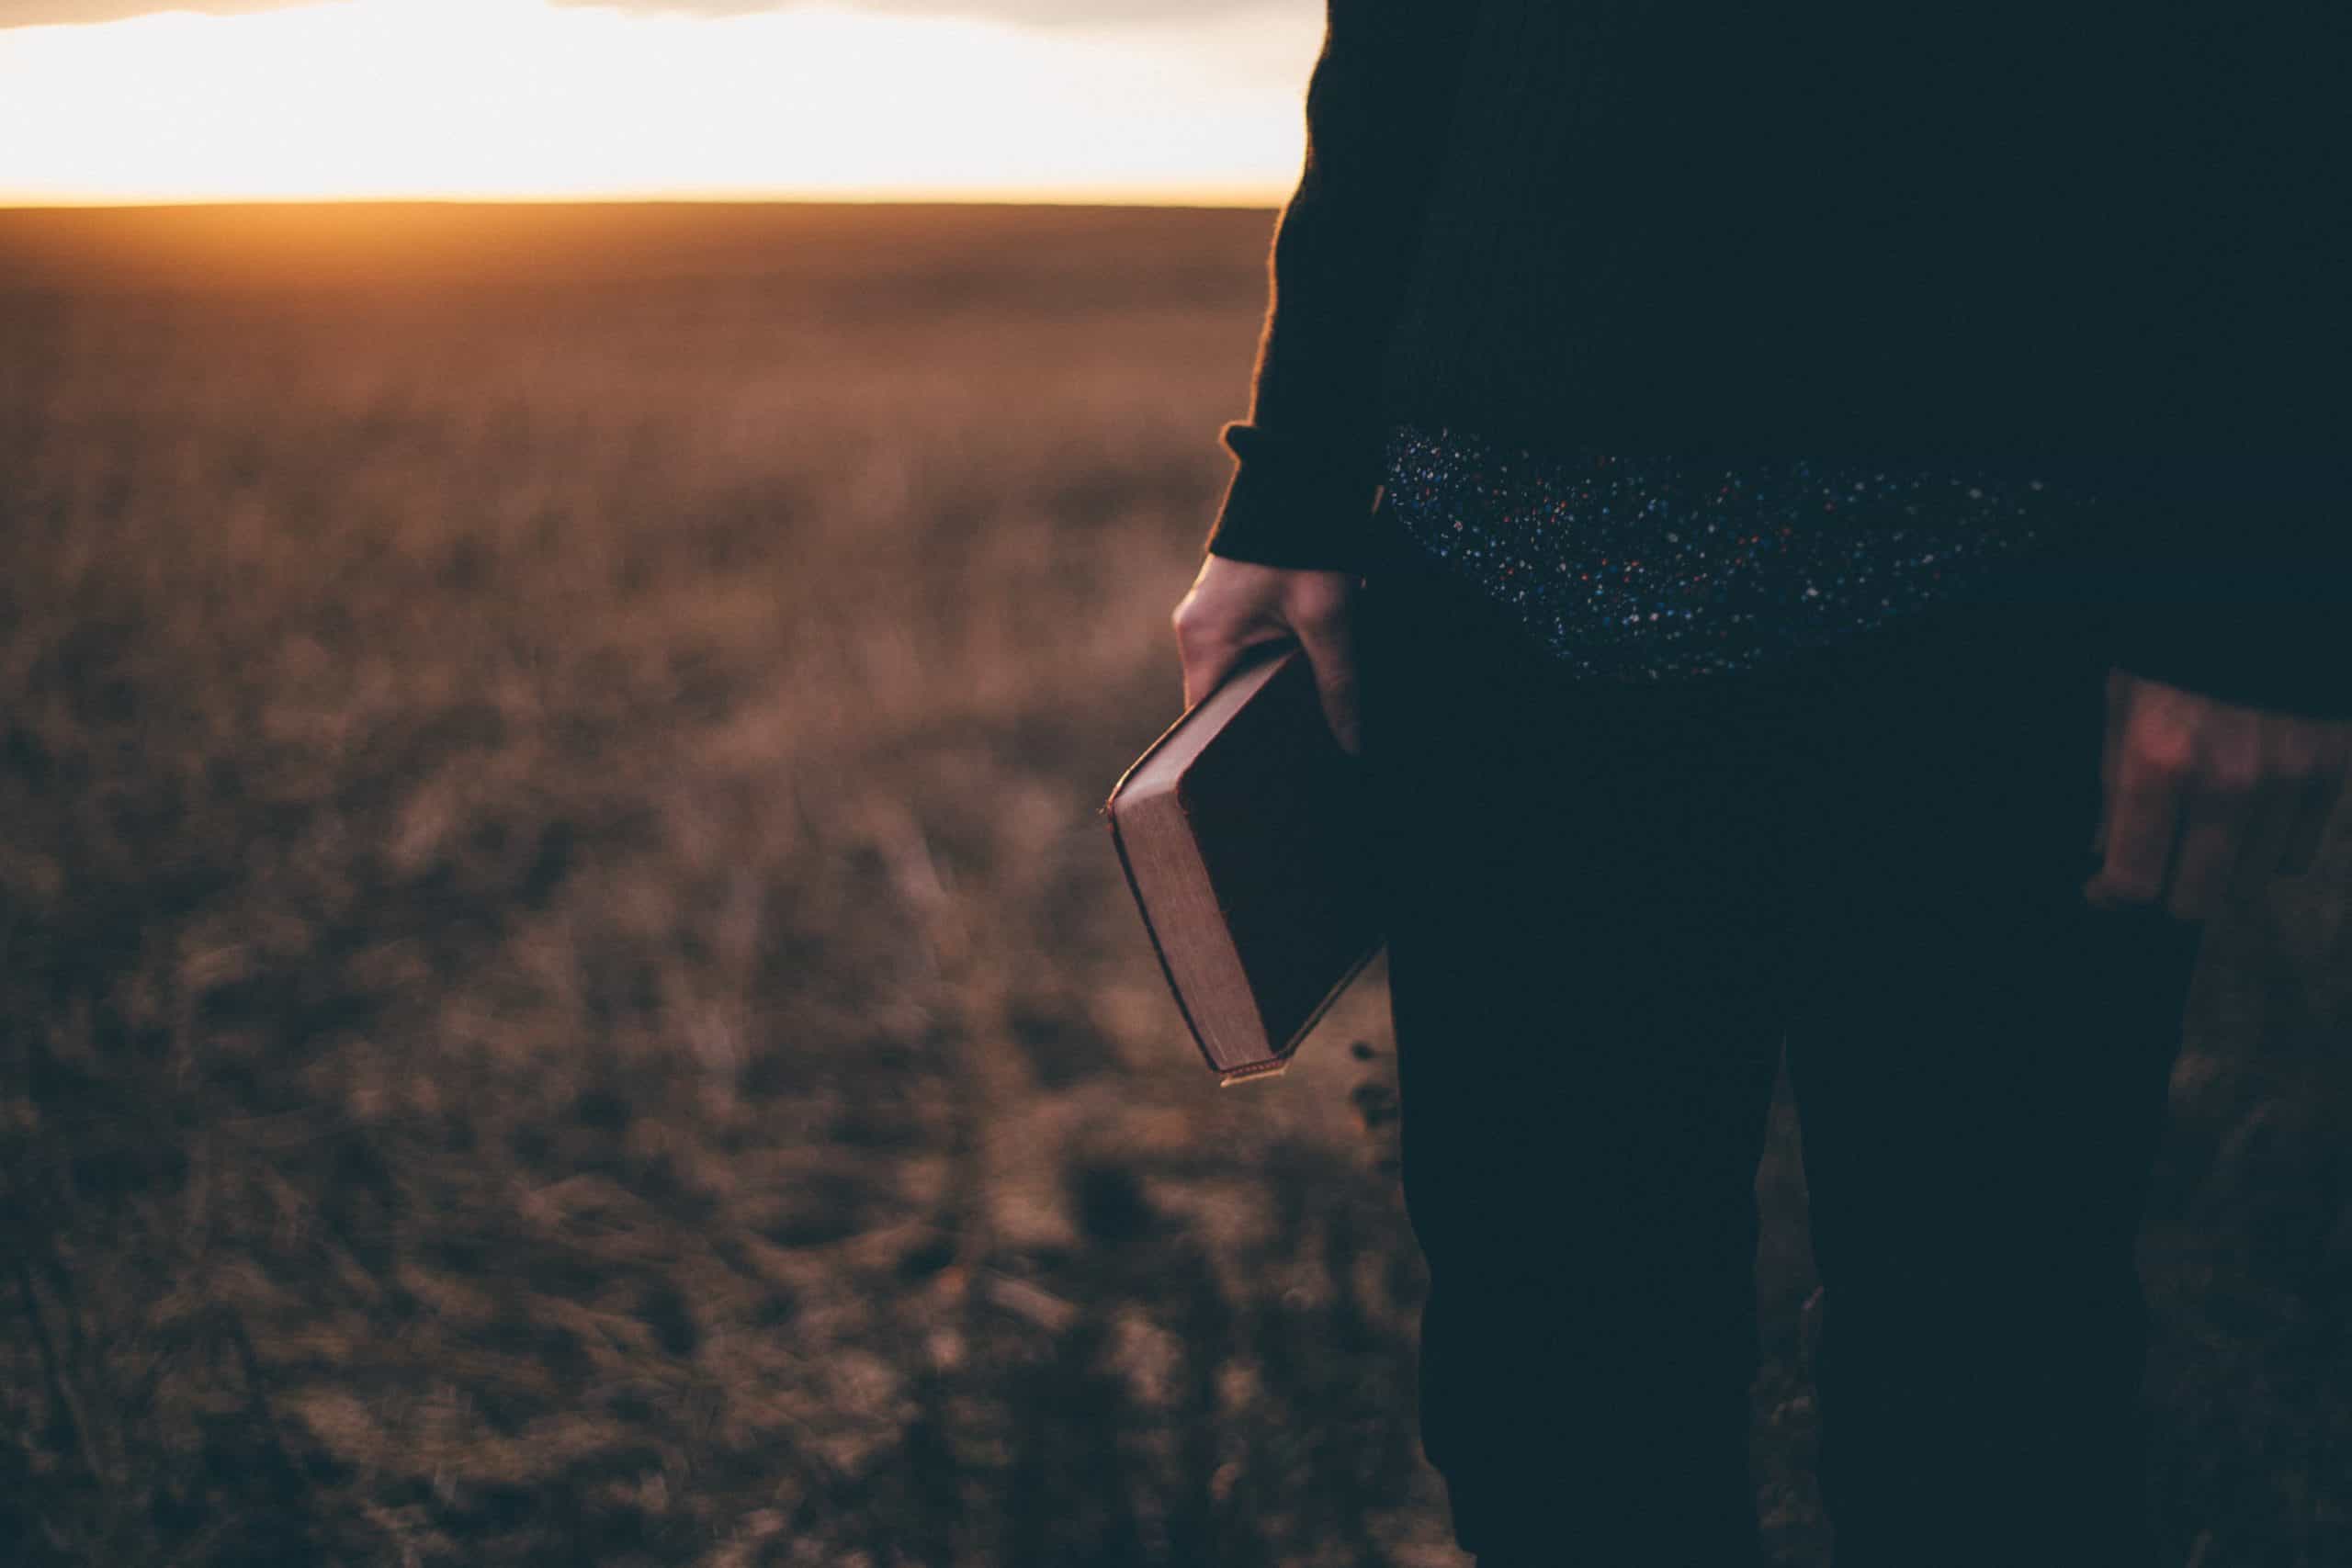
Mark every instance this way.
x=506 y=98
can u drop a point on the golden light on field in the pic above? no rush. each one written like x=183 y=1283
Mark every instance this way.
x=527 y=98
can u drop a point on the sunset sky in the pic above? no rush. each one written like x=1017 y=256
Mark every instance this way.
x=123 y=100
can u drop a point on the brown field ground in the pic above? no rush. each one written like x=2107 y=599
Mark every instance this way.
x=563 y=1000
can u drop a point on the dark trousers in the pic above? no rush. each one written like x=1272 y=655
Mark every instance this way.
x=1611 y=909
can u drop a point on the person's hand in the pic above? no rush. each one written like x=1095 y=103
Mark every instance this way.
x=1234 y=606
x=2246 y=793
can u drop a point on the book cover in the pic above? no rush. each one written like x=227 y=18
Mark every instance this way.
x=1242 y=834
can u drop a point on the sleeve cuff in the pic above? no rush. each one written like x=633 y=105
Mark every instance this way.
x=2231 y=576
x=2285 y=657
x=1289 y=509
x=2273 y=633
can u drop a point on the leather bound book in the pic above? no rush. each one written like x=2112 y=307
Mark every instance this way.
x=1242 y=830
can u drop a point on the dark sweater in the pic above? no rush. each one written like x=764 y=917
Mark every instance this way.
x=2114 y=246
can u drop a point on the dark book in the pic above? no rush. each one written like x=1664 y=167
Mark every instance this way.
x=1242 y=830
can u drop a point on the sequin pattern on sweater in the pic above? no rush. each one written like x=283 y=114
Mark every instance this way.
x=1656 y=568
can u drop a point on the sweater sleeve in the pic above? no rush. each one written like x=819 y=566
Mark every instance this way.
x=2235 y=582
x=1378 y=106
x=2233 y=573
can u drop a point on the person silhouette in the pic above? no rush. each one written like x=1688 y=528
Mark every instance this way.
x=1828 y=533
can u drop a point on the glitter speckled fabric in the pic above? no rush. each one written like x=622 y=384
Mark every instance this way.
x=1657 y=568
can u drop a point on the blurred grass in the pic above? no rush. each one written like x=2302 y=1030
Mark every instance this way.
x=562 y=999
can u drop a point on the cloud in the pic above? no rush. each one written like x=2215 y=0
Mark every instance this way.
x=45 y=13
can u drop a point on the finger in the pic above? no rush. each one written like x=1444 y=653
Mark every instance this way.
x=2210 y=843
x=2119 y=703
x=1209 y=652
x=2288 y=754
x=1328 y=637
x=2144 y=815
x=2307 y=835
x=2270 y=821
x=1204 y=668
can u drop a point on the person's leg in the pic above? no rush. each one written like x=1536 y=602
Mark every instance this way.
x=1584 y=949
x=1981 y=1062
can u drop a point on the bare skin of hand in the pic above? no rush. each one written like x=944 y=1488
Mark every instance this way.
x=2246 y=795
x=1235 y=605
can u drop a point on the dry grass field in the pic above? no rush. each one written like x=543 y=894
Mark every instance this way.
x=563 y=1000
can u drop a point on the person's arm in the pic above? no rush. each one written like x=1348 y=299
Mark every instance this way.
x=2229 y=588
x=1378 y=109
x=2247 y=594
x=2227 y=575
x=1289 y=535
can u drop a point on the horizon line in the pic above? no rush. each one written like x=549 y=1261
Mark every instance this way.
x=1238 y=198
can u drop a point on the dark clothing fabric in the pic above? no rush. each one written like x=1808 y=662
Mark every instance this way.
x=1610 y=909
x=1664 y=570
x=2111 y=239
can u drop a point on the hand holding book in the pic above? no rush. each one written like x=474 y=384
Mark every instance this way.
x=1238 y=605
